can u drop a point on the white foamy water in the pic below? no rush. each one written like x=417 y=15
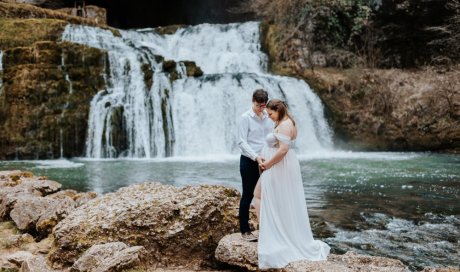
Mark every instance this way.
x=435 y=236
x=193 y=116
x=54 y=164
x=1 y=71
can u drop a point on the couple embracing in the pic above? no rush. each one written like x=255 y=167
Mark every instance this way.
x=270 y=172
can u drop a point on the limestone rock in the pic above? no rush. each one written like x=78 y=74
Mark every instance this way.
x=18 y=240
x=176 y=226
x=44 y=186
x=19 y=257
x=22 y=199
x=55 y=213
x=28 y=210
x=24 y=261
x=235 y=251
x=9 y=196
x=114 y=256
x=35 y=264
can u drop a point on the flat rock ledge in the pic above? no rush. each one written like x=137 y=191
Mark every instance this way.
x=235 y=251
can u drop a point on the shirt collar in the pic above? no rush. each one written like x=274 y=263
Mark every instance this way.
x=253 y=114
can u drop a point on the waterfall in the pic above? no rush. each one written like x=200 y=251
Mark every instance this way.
x=189 y=116
x=1 y=71
x=66 y=105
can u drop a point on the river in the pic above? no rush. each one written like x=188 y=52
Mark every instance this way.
x=400 y=205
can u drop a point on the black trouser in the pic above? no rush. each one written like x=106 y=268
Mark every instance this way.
x=249 y=171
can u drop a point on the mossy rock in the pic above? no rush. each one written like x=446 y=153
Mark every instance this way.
x=37 y=102
x=25 y=32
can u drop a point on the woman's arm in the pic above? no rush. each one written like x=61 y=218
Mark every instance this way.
x=284 y=129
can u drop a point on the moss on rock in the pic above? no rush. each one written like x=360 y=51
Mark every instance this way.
x=40 y=111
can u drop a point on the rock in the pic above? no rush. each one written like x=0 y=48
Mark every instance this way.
x=235 y=251
x=10 y=195
x=114 y=256
x=55 y=213
x=27 y=262
x=82 y=198
x=12 y=178
x=21 y=198
x=79 y=198
x=35 y=264
x=19 y=257
x=176 y=226
x=440 y=269
x=28 y=210
x=192 y=69
x=18 y=240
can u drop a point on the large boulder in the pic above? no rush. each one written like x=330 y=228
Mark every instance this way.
x=176 y=226
x=238 y=252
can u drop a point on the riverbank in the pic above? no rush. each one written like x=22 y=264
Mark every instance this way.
x=156 y=224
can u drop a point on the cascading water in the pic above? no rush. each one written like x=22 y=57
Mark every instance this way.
x=192 y=116
x=1 y=71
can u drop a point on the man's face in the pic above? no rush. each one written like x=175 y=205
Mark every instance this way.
x=259 y=107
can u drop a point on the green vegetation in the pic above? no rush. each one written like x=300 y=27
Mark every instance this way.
x=359 y=33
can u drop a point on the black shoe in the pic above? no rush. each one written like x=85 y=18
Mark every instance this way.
x=249 y=237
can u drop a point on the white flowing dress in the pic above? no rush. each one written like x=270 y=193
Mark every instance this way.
x=284 y=233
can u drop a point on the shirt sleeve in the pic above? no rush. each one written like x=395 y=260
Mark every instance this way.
x=243 y=130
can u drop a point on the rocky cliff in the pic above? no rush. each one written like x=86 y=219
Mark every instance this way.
x=357 y=60
x=46 y=90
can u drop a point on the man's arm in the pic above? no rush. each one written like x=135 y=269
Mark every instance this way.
x=243 y=129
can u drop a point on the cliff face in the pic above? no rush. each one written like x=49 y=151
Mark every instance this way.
x=46 y=91
x=380 y=109
x=388 y=74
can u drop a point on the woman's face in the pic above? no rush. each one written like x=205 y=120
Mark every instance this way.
x=274 y=115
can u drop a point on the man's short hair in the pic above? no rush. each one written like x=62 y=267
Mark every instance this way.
x=260 y=96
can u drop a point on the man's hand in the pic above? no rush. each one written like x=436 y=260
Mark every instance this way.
x=260 y=160
x=265 y=166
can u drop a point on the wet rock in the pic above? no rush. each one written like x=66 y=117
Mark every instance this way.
x=176 y=226
x=110 y=257
x=169 y=66
x=235 y=251
x=192 y=69
x=440 y=269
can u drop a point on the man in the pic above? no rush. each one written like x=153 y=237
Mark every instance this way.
x=253 y=127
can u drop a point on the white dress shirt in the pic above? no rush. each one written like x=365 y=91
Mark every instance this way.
x=252 y=131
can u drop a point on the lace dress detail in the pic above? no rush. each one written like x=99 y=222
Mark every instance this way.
x=285 y=234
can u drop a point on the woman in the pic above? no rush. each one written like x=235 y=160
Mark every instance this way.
x=284 y=233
